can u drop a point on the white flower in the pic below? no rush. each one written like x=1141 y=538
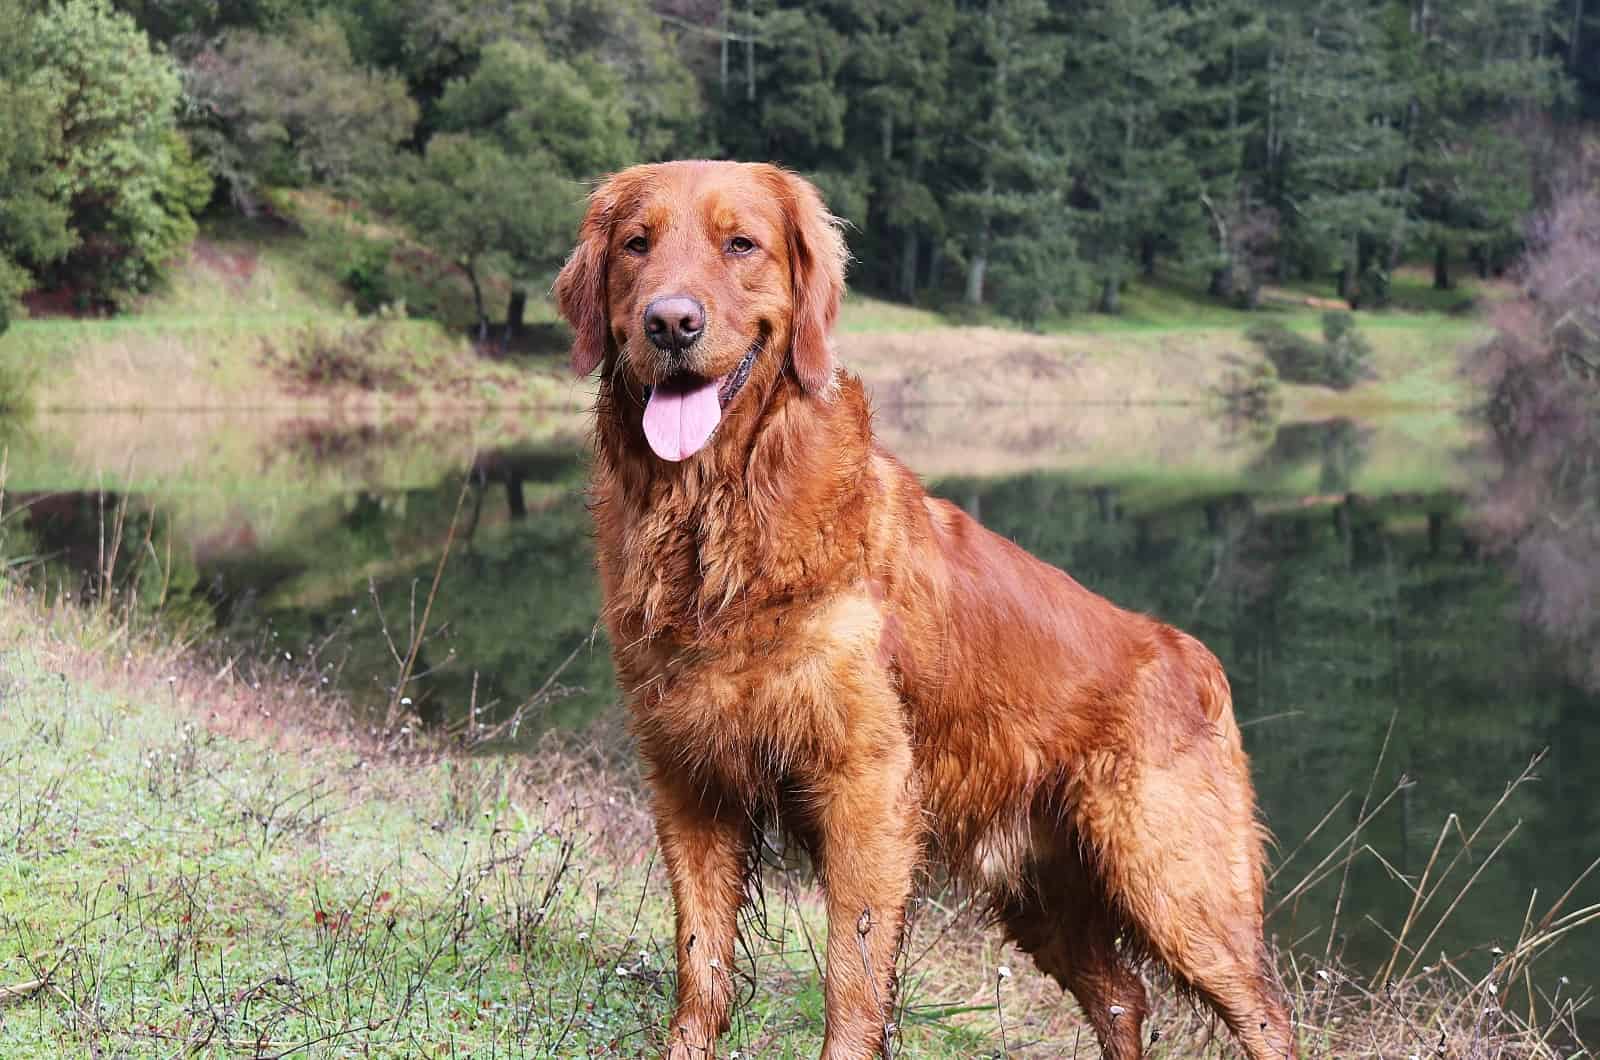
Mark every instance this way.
x=1117 y=1010
x=1003 y=972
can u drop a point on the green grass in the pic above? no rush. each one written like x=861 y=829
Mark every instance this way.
x=193 y=867
x=204 y=860
x=863 y=314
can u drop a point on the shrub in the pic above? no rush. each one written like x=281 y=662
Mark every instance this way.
x=1342 y=359
x=354 y=355
x=1347 y=355
x=1249 y=389
x=1297 y=359
x=366 y=276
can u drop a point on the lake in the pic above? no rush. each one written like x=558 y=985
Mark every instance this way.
x=1389 y=645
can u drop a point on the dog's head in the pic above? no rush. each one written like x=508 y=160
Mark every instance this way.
x=693 y=280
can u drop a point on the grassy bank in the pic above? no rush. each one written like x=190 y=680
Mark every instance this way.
x=264 y=315
x=198 y=857
x=281 y=314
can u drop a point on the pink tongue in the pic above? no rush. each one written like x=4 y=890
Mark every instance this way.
x=678 y=421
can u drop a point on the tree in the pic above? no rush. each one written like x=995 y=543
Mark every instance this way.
x=1010 y=52
x=1333 y=147
x=294 y=107
x=898 y=73
x=1469 y=68
x=1135 y=181
x=560 y=123
x=33 y=213
x=1219 y=126
x=121 y=170
x=481 y=207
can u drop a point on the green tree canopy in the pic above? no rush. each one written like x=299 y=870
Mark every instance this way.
x=99 y=186
x=34 y=228
x=295 y=107
x=483 y=208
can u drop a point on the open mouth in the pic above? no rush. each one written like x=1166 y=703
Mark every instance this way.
x=682 y=411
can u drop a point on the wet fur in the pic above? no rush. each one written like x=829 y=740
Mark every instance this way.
x=802 y=632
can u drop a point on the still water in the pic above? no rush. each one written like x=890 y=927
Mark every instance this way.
x=1385 y=648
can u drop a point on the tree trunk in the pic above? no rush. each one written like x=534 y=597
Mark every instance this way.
x=750 y=53
x=1441 y=268
x=477 y=299
x=1350 y=273
x=516 y=312
x=980 y=255
x=1577 y=34
x=516 y=503
x=908 y=265
x=1147 y=257
x=975 y=272
x=722 y=58
x=1480 y=259
x=1252 y=294
x=1221 y=285
x=1110 y=296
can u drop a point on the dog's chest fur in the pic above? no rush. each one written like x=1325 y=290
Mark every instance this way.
x=736 y=596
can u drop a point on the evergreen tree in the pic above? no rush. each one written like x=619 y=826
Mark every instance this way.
x=1333 y=145
x=1009 y=51
x=1131 y=77
x=1469 y=67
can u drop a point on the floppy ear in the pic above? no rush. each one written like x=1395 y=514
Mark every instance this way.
x=817 y=258
x=580 y=288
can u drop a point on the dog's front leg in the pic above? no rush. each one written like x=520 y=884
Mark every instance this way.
x=705 y=843
x=870 y=850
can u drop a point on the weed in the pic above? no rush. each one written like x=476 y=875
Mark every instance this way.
x=19 y=382
x=322 y=355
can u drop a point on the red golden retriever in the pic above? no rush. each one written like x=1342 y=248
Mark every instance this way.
x=806 y=637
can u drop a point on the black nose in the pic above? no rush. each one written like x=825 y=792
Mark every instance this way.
x=674 y=322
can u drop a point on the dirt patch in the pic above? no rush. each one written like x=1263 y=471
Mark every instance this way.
x=62 y=303
x=235 y=267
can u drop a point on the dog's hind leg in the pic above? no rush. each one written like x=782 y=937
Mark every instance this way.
x=1061 y=921
x=1176 y=847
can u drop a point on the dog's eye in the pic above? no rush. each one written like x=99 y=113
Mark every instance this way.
x=741 y=245
x=637 y=245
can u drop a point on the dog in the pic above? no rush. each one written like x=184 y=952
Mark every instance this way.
x=805 y=637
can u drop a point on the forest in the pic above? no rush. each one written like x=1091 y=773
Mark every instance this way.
x=1027 y=156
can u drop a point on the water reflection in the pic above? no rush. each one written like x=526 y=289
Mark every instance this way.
x=1368 y=631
